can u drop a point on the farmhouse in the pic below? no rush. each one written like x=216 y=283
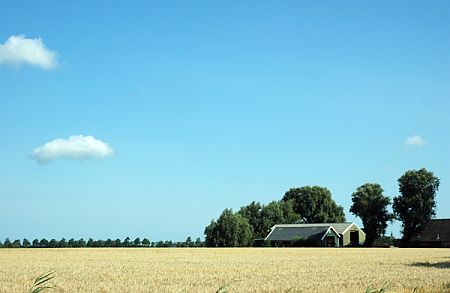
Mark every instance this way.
x=435 y=234
x=319 y=234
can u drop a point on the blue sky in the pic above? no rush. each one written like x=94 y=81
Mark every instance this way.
x=209 y=105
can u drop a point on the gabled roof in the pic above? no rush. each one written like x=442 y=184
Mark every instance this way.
x=288 y=232
x=436 y=230
x=340 y=228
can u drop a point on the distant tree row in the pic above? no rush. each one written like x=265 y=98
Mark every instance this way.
x=127 y=242
x=414 y=207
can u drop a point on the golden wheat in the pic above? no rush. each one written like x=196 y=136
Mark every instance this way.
x=239 y=269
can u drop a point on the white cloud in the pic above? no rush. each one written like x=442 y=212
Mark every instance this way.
x=76 y=147
x=415 y=141
x=18 y=50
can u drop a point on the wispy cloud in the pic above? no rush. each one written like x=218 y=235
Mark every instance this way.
x=414 y=141
x=18 y=50
x=76 y=147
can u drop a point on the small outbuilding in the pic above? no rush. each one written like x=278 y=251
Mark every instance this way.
x=435 y=234
x=317 y=234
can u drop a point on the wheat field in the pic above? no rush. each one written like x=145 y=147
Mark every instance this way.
x=234 y=269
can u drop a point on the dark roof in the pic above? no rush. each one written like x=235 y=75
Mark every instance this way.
x=436 y=230
x=338 y=227
x=294 y=232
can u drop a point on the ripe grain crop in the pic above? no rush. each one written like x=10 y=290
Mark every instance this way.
x=236 y=269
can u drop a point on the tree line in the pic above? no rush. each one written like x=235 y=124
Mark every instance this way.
x=127 y=242
x=414 y=207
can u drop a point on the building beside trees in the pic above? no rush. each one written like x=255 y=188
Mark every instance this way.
x=435 y=234
x=316 y=235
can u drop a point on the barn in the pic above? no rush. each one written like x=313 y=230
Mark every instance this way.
x=317 y=234
x=435 y=234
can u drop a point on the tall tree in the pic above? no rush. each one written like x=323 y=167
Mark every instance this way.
x=252 y=213
x=315 y=205
x=370 y=205
x=415 y=205
x=230 y=230
x=277 y=212
x=264 y=217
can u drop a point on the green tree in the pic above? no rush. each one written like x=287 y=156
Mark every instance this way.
x=127 y=242
x=53 y=243
x=263 y=217
x=370 y=205
x=252 y=213
x=276 y=212
x=415 y=205
x=230 y=230
x=62 y=243
x=198 y=242
x=35 y=243
x=43 y=243
x=189 y=242
x=26 y=243
x=146 y=242
x=7 y=243
x=81 y=243
x=71 y=243
x=315 y=205
x=137 y=242
x=90 y=243
x=109 y=243
x=15 y=244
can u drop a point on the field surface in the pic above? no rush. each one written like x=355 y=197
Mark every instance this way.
x=243 y=270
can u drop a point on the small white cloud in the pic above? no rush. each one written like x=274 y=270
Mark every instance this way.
x=415 y=141
x=76 y=147
x=18 y=50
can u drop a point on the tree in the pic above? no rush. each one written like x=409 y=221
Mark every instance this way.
x=62 y=243
x=127 y=242
x=109 y=243
x=35 y=243
x=252 y=213
x=81 y=243
x=146 y=242
x=71 y=243
x=118 y=243
x=230 y=230
x=53 y=243
x=415 y=205
x=43 y=243
x=277 y=212
x=90 y=242
x=198 y=242
x=315 y=205
x=370 y=205
x=263 y=217
x=7 y=243
x=137 y=242
x=26 y=243
x=15 y=244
